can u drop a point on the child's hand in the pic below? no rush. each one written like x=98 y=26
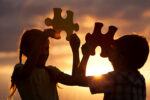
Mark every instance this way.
x=41 y=39
x=52 y=33
x=74 y=42
x=86 y=49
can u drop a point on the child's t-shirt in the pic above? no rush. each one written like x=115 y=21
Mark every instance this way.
x=39 y=85
x=119 y=85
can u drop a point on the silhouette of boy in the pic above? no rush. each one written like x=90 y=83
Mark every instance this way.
x=127 y=55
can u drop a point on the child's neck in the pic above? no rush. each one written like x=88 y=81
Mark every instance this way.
x=40 y=65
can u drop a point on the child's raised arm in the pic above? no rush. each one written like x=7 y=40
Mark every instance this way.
x=83 y=63
x=78 y=74
x=75 y=44
x=76 y=78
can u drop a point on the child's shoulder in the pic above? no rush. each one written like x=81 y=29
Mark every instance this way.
x=111 y=74
x=54 y=72
x=18 y=66
x=133 y=77
x=52 y=69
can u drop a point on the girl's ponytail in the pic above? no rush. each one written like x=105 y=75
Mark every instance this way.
x=20 y=56
x=13 y=84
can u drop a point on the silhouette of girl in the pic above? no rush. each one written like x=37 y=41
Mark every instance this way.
x=33 y=79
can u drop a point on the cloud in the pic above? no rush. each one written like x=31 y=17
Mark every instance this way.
x=8 y=55
x=129 y=16
x=146 y=13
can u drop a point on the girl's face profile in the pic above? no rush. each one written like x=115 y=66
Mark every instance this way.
x=44 y=52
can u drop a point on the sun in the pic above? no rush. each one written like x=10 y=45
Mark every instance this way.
x=98 y=65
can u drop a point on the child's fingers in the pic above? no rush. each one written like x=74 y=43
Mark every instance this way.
x=74 y=42
x=52 y=33
x=74 y=38
x=85 y=49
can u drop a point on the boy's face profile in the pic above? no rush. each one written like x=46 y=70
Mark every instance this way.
x=116 y=59
x=129 y=53
x=113 y=57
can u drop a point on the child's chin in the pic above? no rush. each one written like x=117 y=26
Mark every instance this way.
x=109 y=59
x=43 y=60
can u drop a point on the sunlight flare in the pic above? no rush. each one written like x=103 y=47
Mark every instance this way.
x=97 y=65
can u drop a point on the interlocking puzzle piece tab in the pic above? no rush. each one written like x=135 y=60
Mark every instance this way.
x=59 y=24
x=99 y=39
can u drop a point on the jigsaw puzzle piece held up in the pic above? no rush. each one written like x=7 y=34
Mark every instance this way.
x=59 y=24
x=99 y=39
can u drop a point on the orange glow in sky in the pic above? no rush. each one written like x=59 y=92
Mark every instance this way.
x=97 y=70
x=98 y=65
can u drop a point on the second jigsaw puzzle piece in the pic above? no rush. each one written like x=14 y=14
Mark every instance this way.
x=102 y=40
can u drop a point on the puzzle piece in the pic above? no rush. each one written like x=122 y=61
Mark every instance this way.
x=99 y=39
x=58 y=23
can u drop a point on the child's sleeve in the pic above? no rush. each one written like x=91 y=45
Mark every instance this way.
x=60 y=76
x=100 y=84
x=53 y=72
x=18 y=69
x=17 y=72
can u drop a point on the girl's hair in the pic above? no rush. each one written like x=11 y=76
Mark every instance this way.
x=28 y=39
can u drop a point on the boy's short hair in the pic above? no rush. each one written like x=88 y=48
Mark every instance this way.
x=134 y=50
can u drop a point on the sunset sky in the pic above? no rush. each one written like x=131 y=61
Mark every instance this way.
x=130 y=16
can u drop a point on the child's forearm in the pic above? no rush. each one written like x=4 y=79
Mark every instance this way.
x=79 y=77
x=82 y=66
x=76 y=61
